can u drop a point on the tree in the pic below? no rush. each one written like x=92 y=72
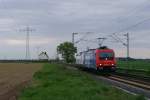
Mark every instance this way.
x=67 y=50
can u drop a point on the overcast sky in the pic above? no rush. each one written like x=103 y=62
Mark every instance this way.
x=54 y=21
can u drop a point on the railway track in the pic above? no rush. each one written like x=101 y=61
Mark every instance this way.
x=137 y=80
x=142 y=82
x=122 y=77
x=134 y=74
x=132 y=83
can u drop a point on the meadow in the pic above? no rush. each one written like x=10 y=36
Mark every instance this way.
x=134 y=64
x=58 y=82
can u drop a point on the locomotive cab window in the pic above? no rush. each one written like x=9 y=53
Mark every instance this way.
x=106 y=55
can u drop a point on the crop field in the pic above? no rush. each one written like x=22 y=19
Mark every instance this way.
x=137 y=64
x=13 y=76
x=58 y=82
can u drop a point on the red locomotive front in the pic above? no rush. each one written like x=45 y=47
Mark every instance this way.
x=105 y=59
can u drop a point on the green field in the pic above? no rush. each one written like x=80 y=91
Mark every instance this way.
x=56 y=82
x=138 y=65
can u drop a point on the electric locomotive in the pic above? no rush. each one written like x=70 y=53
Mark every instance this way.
x=99 y=59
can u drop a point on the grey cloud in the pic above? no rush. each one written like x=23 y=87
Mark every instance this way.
x=58 y=19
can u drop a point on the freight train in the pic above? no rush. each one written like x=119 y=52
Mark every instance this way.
x=98 y=59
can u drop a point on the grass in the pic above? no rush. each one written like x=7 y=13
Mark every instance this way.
x=56 y=82
x=138 y=65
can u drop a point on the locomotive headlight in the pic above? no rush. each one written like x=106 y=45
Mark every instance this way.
x=112 y=64
x=100 y=64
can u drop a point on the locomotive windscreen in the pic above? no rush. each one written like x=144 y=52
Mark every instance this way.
x=106 y=55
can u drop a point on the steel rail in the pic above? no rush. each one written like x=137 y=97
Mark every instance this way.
x=129 y=79
x=133 y=82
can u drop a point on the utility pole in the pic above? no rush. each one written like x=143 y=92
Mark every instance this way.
x=73 y=34
x=28 y=30
x=100 y=41
x=128 y=45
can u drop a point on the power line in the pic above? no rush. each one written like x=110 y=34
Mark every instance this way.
x=132 y=26
x=115 y=37
x=100 y=41
x=134 y=11
x=96 y=40
x=118 y=39
x=83 y=37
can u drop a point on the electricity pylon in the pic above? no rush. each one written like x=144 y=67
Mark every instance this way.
x=27 y=30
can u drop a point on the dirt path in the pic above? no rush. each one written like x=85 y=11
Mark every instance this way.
x=13 y=76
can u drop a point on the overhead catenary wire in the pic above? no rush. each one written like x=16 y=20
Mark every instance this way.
x=132 y=26
x=118 y=39
x=134 y=10
x=114 y=34
x=83 y=37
